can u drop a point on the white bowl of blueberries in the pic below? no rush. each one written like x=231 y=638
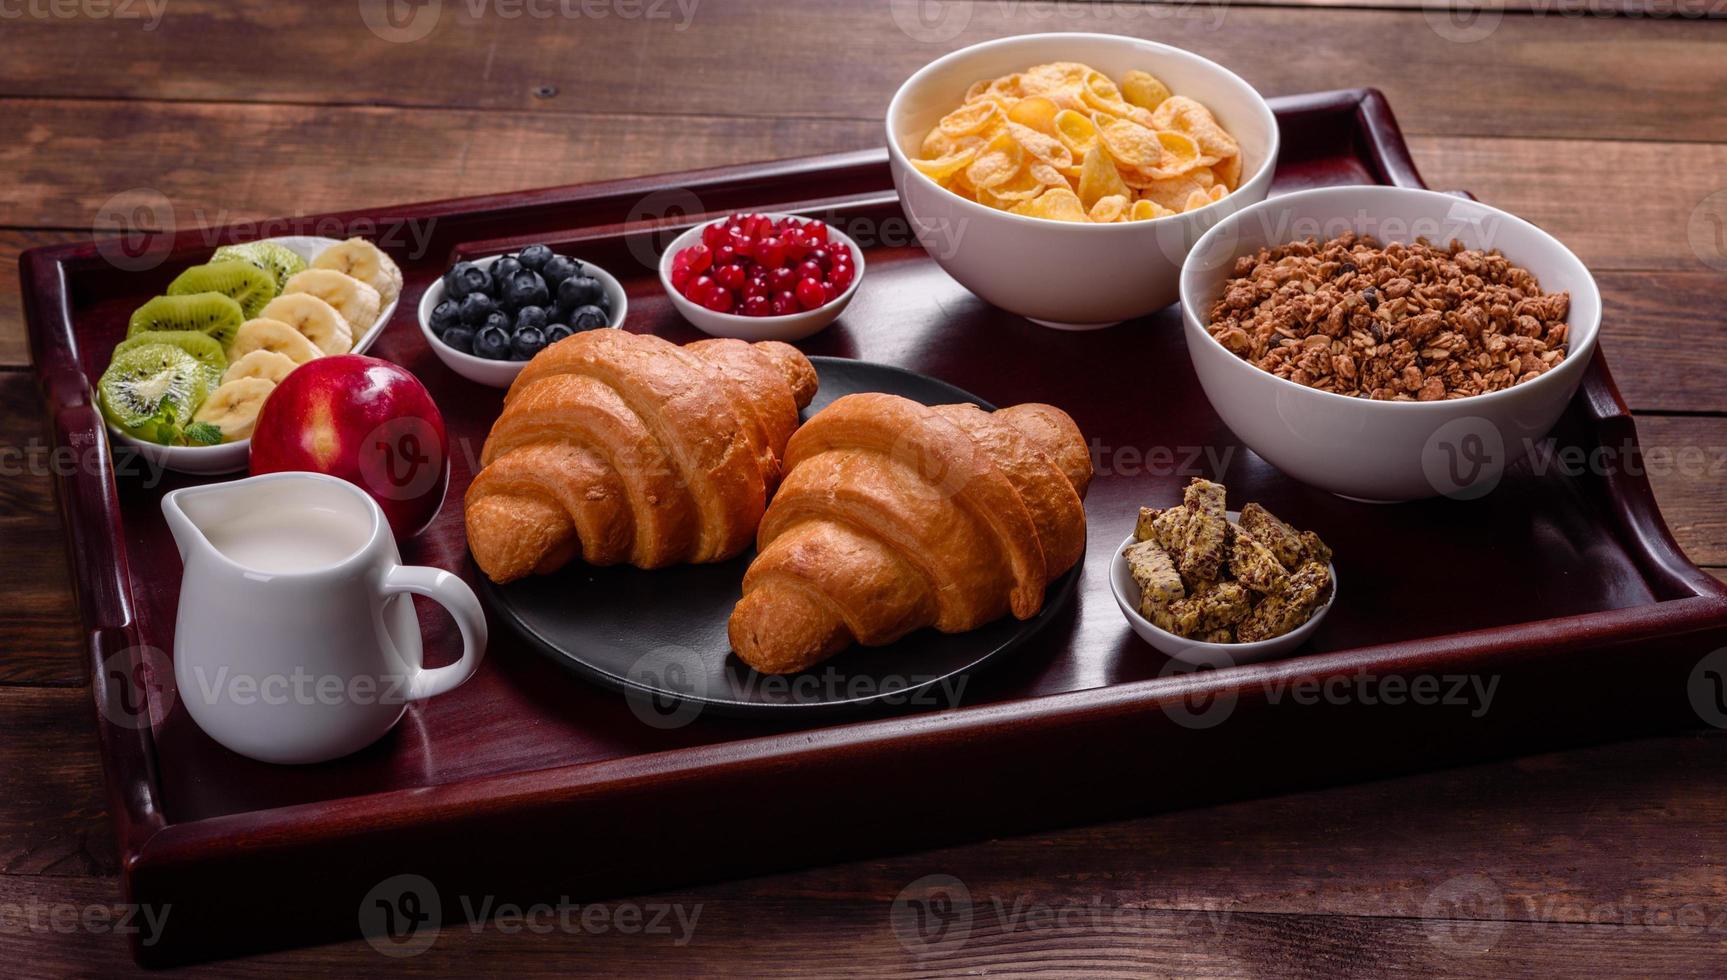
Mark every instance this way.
x=486 y=317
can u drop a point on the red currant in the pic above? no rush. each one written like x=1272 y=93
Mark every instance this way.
x=816 y=231
x=810 y=269
x=757 y=285
x=758 y=306
x=701 y=257
x=718 y=299
x=771 y=251
x=810 y=294
x=680 y=276
x=822 y=257
x=698 y=288
x=785 y=303
x=783 y=280
x=714 y=235
x=726 y=254
x=842 y=275
x=730 y=276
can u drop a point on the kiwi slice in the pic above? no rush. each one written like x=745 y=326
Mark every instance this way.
x=276 y=259
x=242 y=282
x=201 y=346
x=207 y=313
x=151 y=391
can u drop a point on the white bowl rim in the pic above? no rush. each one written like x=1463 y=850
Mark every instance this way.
x=428 y=303
x=363 y=344
x=1581 y=352
x=1115 y=227
x=682 y=241
x=1131 y=611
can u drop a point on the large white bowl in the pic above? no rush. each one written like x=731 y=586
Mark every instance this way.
x=484 y=370
x=788 y=327
x=1385 y=450
x=1069 y=275
x=230 y=457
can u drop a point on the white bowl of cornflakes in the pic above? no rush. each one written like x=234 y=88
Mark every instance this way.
x=1015 y=199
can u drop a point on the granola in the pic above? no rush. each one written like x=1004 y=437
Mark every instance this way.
x=1402 y=322
x=1202 y=577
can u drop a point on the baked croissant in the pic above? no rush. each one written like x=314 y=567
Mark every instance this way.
x=895 y=516
x=623 y=447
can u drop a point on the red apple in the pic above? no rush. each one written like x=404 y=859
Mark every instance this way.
x=366 y=421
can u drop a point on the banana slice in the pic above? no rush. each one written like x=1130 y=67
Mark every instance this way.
x=357 y=302
x=233 y=407
x=317 y=320
x=366 y=262
x=273 y=335
x=270 y=365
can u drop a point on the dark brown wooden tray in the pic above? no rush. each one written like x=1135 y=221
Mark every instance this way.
x=1565 y=593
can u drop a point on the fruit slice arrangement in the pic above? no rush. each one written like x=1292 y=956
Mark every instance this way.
x=198 y=362
x=513 y=308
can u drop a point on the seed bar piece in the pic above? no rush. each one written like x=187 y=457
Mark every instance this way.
x=1203 y=535
x=1154 y=572
x=1283 y=540
x=1213 y=607
x=1253 y=563
x=1145 y=529
x=1276 y=615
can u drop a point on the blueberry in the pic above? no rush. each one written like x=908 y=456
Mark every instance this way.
x=535 y=257
x=559 y=268
x=527 y=342
x=459 y=338
x=476 y=307
x=557 y=332
x=464 y=279
x=445 y=315
x=588 y=317
x=524 y=287
x=503 y=268
x=531 y=316
x=579 y=291
x=499 y=319
x=492 y=342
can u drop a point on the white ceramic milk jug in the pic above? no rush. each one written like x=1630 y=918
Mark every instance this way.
x=296 y=641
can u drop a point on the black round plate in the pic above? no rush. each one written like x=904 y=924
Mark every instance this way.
x=661 y=636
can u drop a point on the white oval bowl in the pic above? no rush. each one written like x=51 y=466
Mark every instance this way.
x=1195 y=652
x=484 y=370
x=1069 y=275
x=231 y=457
x=791 y=326
x=1384 y=451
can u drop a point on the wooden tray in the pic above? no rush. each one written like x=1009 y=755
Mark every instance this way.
x=1566 y=594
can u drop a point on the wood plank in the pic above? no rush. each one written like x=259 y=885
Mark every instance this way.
x=53 y=820
x=1534 y=76
x=1665 y=336
x=40 y=642
x=1566 y=186
x=1687 y=462
x=1597 y=860
x=14 y=349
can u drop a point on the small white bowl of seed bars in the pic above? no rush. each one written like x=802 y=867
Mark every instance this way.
x=1217 y=587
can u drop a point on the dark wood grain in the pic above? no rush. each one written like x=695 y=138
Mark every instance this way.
x=707 y=64
x=39 y=644
x=53 y=821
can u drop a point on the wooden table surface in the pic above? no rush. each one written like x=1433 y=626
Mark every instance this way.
x=1606 y=129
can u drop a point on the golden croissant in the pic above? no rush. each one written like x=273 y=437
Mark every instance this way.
x=894 y=516
x=623 y=447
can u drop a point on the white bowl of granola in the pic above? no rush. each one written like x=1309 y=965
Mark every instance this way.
x=1402 y=373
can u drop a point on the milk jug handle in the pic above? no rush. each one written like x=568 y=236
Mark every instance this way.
x=464 y=607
